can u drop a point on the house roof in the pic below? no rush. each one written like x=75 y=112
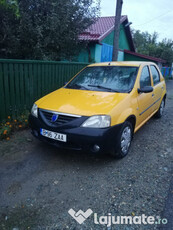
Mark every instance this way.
x=102 y=28
x=145 y=56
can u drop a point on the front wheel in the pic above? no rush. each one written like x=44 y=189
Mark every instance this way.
x=159 y=113
x=124 y=140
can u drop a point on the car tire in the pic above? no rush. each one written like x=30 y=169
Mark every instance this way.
x=123 y=141
x=159 y=113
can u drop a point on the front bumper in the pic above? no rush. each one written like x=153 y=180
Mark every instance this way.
x=79 y=138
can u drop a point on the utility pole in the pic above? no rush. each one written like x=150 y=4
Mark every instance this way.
x=117 y=30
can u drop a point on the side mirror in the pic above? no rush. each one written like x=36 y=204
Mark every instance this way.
x=145 y=89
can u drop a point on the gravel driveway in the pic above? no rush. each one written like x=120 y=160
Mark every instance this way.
x=39 y=183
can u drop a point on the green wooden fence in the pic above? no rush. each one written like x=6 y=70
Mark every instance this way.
x=22 y=82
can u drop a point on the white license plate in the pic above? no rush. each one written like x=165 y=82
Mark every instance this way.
x=53 y=135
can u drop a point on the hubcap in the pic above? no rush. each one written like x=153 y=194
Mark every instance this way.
x=126 y=139
x=162 y=107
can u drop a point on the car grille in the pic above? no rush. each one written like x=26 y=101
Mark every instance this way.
x=46 y=116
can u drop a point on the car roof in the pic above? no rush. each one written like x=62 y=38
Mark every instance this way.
x=122 y=63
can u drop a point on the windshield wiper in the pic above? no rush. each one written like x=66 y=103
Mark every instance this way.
x=77 y=86
x=103 y=87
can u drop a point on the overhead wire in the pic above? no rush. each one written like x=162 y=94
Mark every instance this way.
x=154 y=18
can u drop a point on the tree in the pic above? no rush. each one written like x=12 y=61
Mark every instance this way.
x=49 y=30
x=147 y=44
x=10 y=4
x=143 y=41
x=9 y=38
x=165 y=51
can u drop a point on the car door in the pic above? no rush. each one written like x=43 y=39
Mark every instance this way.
x=158 y=87
x=145 y=100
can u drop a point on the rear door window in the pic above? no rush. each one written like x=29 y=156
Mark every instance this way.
x=145 y=79
x=155 y=74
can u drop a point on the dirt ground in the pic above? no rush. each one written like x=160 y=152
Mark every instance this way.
x=39 y=183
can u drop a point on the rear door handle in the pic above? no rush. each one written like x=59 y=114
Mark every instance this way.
x=153 y=95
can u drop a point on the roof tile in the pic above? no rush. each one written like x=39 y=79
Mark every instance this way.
x=102 y=26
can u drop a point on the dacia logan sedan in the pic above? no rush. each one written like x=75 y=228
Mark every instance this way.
x=101 y=108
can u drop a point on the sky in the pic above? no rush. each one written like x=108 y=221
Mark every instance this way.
x=145 y=15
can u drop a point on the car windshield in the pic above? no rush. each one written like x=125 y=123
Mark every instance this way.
x=105 y=78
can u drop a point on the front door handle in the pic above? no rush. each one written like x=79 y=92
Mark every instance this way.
x=153 y=95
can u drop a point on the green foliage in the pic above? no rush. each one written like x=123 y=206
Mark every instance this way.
x=42 y=29
x=147 y=44
x=9 y=40
x=11 y=4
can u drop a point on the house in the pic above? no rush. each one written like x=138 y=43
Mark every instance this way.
x=99 y=37
x=133 y=56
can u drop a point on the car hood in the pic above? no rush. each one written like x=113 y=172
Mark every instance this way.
x=81 y=102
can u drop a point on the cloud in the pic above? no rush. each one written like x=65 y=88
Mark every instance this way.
x=148 y=15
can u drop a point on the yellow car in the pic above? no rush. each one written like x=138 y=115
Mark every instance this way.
x=101 y=108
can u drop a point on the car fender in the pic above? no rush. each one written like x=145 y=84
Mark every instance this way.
x=125 y=115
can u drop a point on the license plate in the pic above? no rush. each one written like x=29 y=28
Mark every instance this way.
x=53 y=135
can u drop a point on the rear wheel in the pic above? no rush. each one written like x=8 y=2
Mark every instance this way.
x=124 y=141
x=160 y=112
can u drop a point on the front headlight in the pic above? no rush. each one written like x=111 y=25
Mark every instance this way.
x=34 y=110
x=99 y=121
